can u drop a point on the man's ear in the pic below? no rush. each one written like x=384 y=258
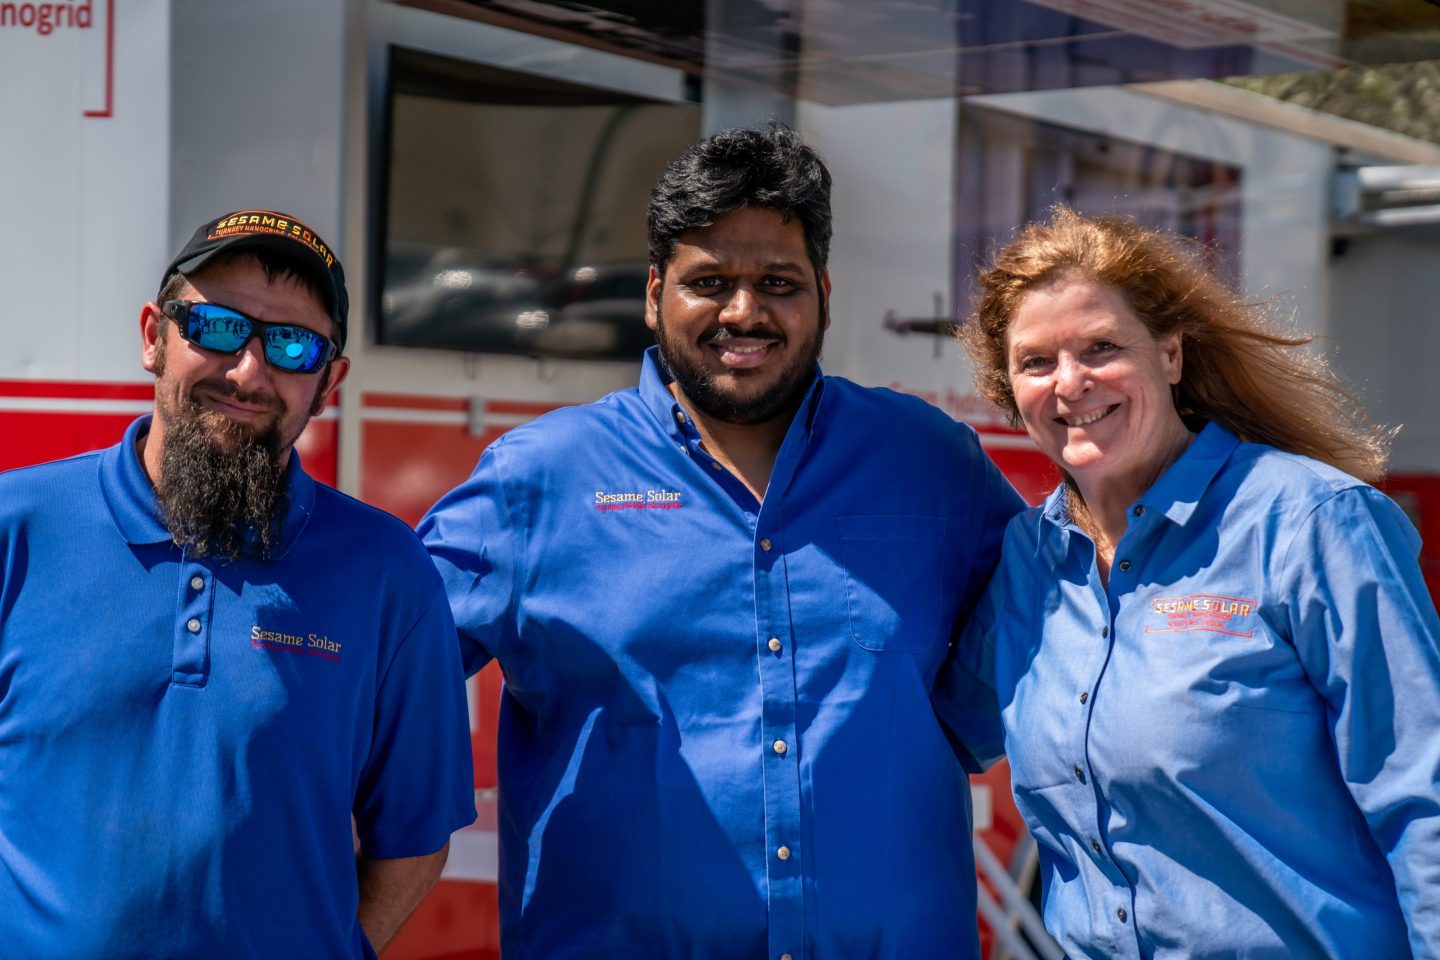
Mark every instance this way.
x=825 y=286
x=339 y=370
x=151 y=341
x=653 y=285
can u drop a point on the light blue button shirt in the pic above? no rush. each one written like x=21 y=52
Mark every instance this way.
x=1232 y=750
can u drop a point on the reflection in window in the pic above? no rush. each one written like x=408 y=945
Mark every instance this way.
x=1011 y=169
x=515 y=215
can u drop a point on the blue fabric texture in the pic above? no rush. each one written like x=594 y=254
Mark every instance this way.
x=183 y=741
x=716 y=736
x=1232 y=750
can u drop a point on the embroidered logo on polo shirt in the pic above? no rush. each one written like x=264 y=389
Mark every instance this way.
x=658 y=499
x=1203 y=611
x=316 y=645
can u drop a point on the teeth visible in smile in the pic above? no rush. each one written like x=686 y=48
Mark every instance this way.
x=1081 y=421
x=735 y=348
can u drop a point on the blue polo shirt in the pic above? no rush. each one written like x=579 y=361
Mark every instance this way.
x=716 y=737
x=183 y=741
x=1234 y=749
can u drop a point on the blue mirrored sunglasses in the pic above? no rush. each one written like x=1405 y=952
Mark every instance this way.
x=213 y=327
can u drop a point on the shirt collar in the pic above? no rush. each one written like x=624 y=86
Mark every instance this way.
x=1178 y=491
x=136 y=512
x=655 y=383
x=1176 y=494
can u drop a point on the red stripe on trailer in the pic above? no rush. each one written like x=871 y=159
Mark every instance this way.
x=77 y=390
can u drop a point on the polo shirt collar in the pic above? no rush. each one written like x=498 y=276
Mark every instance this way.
x=1176 y=494
x=136 y=511
x=655 y=383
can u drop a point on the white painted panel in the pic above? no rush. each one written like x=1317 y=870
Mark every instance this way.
x=83 y=199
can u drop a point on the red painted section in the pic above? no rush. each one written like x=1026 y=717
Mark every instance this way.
x=77 y=390
x=485 y=726
x=406 y=466
x=1032 y=473
x=38 y=436
x=457 y=921
x=407 y=401
x=1419 y=495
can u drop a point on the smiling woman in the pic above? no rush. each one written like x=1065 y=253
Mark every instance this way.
x=1237 y=616
x=1093 y=389
x=1236 y=368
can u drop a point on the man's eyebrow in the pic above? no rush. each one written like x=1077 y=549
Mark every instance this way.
x=707 y=264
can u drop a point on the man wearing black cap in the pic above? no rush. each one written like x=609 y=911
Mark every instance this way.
x=210 y=665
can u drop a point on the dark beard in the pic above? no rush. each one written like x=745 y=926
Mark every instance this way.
x=222 y=486
x=698 y=385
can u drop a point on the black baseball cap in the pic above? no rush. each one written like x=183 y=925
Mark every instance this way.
x=274 y=231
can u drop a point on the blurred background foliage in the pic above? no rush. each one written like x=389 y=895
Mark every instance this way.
x=1403 y=97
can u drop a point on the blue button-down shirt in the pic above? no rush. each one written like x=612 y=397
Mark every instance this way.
x=1233 y=750
x=716 y=737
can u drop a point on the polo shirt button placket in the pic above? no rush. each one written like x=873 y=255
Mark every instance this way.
x=190 y=658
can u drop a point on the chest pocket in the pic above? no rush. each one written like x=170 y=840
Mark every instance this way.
x=894 y=580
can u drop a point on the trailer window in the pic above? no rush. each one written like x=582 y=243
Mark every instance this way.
x=514 y=219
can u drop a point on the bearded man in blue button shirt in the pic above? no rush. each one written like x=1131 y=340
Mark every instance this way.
x=205 y=675
x=720 y=600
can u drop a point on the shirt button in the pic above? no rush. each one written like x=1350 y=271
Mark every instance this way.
x=783 y=853
x=765 y=544
x=1140 y=510
x=1079 y=774
x=1084 y=696
x=1095 y=845
x=679 y=416
x=774 y=644
x=715 y=465
x=197 y=583
x=1104 y=632
x=779 y=747
x=1120 y=912
x=192 y=625
x=1124 y=564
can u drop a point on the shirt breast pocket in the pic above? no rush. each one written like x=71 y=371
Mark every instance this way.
x=894 y=577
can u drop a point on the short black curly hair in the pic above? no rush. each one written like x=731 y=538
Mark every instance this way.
x=742 y=167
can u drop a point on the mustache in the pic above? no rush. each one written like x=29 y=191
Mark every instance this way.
x=730 y=332
x=224 y=390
